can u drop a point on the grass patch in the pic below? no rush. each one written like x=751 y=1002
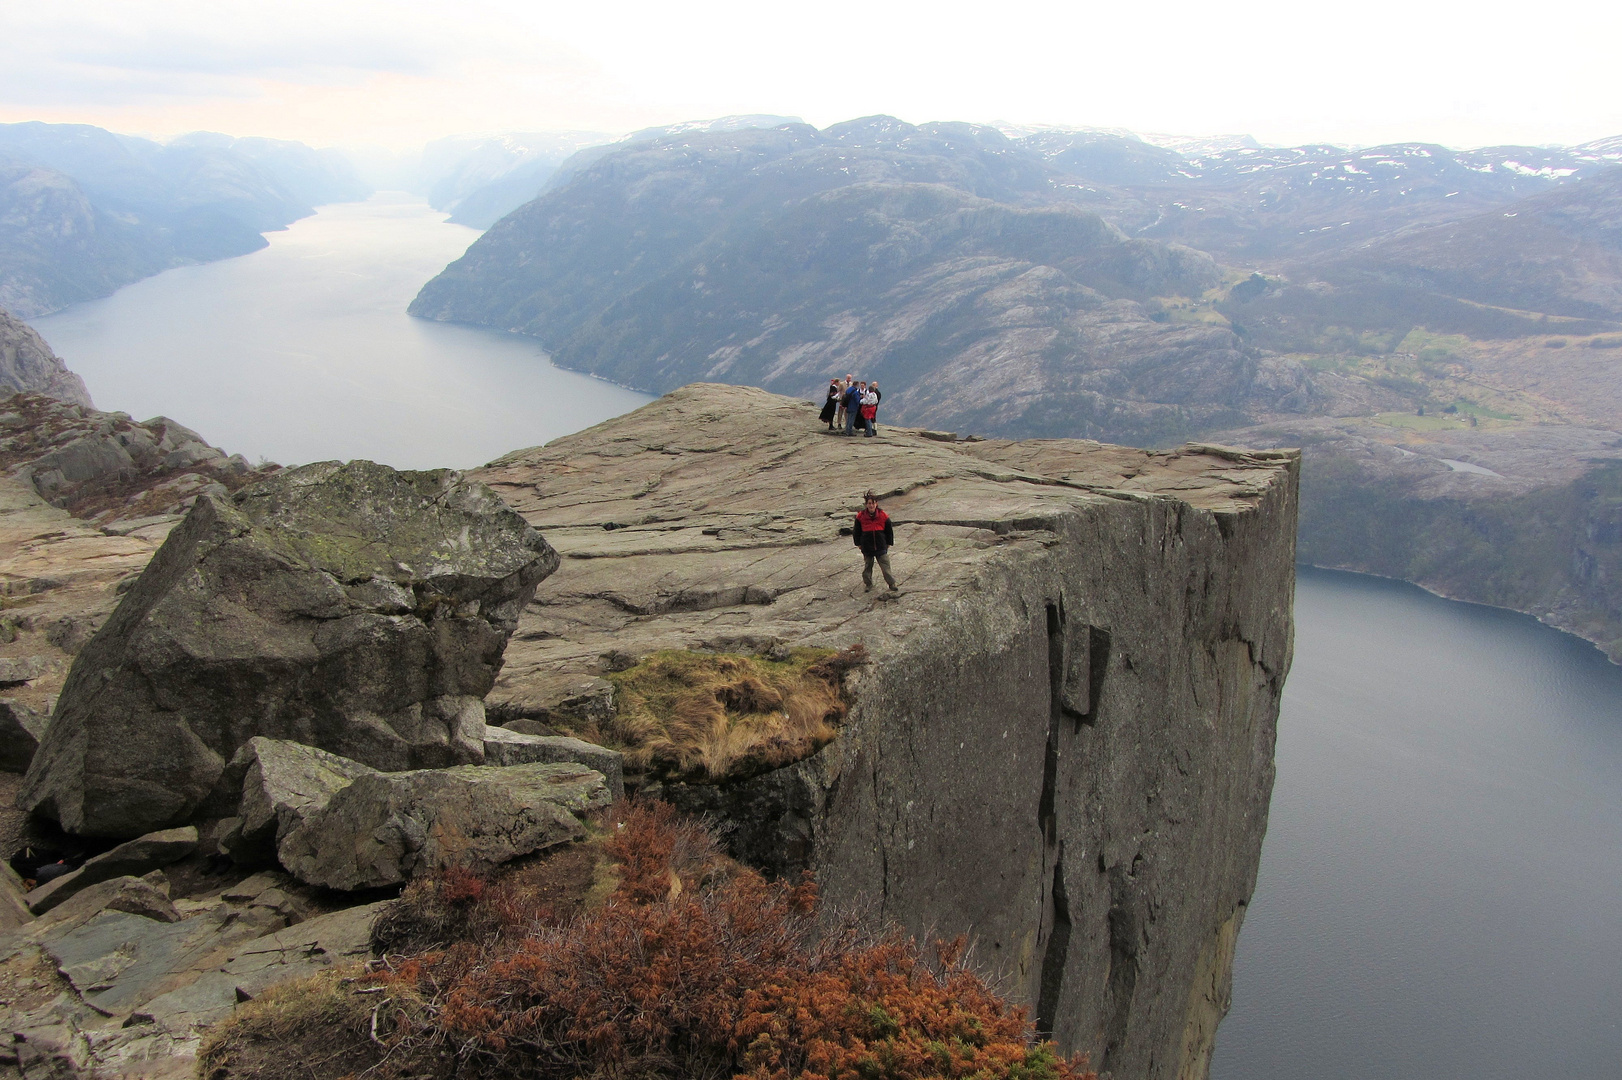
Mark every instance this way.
x=320 y=1022
x=705 y=717
x=1411 y=422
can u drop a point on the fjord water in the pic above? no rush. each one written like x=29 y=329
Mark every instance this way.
x=303 y=351
x=1441 y=884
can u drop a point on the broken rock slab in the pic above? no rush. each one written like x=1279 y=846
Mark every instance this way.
x=388 y=827
x=299 y=951
x=139 y=856
x=545 y=697
x=504 y=746
x=21 y=728
x=347 y=606
x=16 y=670
x=282 y=783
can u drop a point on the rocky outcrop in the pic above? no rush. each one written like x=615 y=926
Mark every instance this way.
x=348 y=607
x=386 y=828
x=120 y=981
x=27 y=365
x=131 y=859
x=108 y=468
x=1062 y=744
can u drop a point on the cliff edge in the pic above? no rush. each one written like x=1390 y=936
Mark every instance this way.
x=1062 y=744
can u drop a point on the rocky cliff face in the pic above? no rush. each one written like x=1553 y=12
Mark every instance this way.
x=1526 y=517
x=1062 y=746
x=27 y=365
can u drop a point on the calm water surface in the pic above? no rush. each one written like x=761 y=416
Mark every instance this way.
x=303 y=351
x=1441 y=886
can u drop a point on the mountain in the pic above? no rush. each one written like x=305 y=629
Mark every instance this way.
x=479 y=179
x=933 y=258
x=86 y=211
x=1269 y=208
x=313 y=177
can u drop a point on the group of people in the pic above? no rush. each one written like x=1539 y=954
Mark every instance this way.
x=852 y=405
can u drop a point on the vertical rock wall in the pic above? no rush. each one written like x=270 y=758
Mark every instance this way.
x=1074 y=767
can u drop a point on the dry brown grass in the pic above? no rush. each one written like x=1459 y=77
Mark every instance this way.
x=318 y=1027
x=704 y=717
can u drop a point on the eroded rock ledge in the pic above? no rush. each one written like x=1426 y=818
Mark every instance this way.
x=1063 y=744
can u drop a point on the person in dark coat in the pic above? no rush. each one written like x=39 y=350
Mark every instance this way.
x=831 y=407
x=875 y=536
x=853 y=407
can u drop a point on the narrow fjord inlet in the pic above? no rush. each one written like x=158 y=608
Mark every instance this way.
x=303 y=351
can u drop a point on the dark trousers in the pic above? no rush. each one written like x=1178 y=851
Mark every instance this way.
x=884 y=565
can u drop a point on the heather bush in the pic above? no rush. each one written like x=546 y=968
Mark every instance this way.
x=693 y=967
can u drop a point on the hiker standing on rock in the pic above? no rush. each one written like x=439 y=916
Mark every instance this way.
x=831 y=406
x=870 y=409
x=852 y=406
x=844 y=391
x=875 y=536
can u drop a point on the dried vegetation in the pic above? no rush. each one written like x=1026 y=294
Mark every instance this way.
x=675 y=963
x=704 y=717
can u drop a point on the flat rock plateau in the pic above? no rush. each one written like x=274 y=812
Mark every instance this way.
x=1057 y=738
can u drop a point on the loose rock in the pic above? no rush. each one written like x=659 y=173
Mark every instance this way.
x=385 y=828
x=139 y=856
x=506 y=746
x=282 y=783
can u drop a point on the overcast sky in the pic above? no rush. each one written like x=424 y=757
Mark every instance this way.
x=401 y=72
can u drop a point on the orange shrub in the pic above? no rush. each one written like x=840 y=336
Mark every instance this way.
x=686 y=972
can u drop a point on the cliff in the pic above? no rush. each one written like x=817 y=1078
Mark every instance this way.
x=27 y=365
x=1520 y=516
x=1062 y=744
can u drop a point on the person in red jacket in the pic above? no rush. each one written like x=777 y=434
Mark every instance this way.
x=875 y=536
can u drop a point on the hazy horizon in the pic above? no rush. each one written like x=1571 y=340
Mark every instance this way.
x=398 y=76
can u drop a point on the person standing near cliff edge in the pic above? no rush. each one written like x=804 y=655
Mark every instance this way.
x=830 y=407
x=853 y=406
x=875 y=536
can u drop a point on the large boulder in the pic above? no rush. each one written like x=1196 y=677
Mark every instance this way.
x=388 y=827
x=346 y=606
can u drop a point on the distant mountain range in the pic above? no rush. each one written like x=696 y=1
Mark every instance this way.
x=1055 y=282
x=84 y=211
x=480 y=179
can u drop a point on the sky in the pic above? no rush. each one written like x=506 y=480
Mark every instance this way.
x=399 y=73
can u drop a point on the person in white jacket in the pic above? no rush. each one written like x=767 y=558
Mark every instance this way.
x=870 y=408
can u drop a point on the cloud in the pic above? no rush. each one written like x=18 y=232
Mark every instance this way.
x=410 y=70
